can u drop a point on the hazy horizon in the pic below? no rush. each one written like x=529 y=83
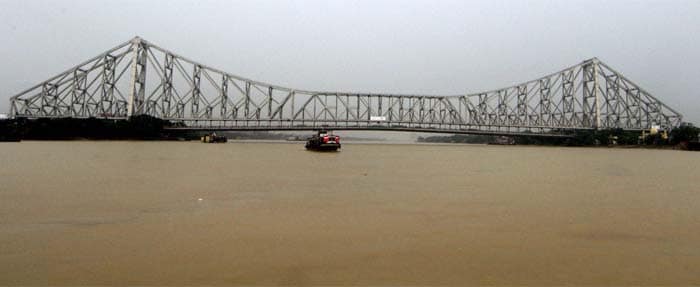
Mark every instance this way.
x=428 y=47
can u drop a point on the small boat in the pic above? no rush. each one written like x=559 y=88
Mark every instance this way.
x=213 y=138
x=323 y=141
x=502 y=140
x=10 y=139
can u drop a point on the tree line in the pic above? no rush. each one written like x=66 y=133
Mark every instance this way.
x=680 y=135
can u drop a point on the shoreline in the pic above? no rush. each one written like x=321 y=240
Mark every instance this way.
x=365 y=142
x=147 y=128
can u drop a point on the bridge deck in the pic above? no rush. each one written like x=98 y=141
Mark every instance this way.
x=370 y=128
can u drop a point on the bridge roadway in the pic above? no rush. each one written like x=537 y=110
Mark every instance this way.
x=367 y=128
x=141 y=78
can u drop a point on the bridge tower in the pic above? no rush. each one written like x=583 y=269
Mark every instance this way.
x=137 y=91
x=591 y=96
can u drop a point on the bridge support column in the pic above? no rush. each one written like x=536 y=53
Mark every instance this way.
x=591 y=95
x=596 y=93
x=138 y=78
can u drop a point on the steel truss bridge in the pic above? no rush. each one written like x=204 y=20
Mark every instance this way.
x=138 y=77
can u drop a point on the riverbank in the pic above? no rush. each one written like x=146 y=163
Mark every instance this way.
x=149 y=128
x=684 y=137
x=134 y=128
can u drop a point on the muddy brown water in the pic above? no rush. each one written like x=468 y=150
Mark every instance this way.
x=129 y=213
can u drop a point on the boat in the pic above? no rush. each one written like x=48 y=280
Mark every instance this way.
x=323 y=141
x=10 y=139
x=502 y=140
x=213 y=138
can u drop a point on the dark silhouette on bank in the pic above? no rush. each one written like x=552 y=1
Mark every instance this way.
x=684 y=137
x=135 y=128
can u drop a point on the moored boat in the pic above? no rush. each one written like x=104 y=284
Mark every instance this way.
x=694 y=145
x=10 y=139
x=213 y=138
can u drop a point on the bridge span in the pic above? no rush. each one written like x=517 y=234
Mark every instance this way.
x=209 y=128
x=138 y=77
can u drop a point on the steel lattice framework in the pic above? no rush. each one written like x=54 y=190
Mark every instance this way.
x=138 y=77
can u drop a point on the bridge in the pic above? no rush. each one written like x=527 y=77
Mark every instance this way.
x=138 y=77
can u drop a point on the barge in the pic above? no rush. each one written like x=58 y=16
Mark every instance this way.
x=213 y=138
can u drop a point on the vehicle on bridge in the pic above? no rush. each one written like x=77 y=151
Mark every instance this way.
x=323 y=141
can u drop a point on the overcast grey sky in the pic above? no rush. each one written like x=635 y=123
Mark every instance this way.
x=433 y=47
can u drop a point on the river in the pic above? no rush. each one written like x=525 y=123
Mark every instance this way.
x=266 y=213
